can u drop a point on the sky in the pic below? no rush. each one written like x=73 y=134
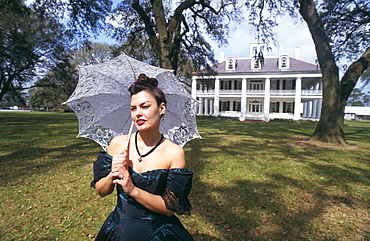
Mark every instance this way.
x=288 y=35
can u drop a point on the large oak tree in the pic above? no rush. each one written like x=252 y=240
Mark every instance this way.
x=173 y=35
x=340 y=31
x=30 y=44
x=169 y=34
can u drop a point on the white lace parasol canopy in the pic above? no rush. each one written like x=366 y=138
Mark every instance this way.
x=101 y=101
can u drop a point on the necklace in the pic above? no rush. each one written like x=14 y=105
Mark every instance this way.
x=151 y=150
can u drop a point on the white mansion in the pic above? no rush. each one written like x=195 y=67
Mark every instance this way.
x=260 y=87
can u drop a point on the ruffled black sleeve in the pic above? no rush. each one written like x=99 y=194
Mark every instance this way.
x=179 y=182
x=102 y=167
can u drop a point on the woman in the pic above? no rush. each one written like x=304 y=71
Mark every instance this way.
x=151 y=179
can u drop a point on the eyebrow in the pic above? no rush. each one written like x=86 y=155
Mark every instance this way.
x=143 y=103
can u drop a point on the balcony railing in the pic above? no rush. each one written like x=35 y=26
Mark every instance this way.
x=261 y=92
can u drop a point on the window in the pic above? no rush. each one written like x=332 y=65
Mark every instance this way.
x=237 y=84
x=230 y=63
x=288 y=107
x=283 y=62
x=256 y=85
x=255 y=106
x=255 y=63
x=225 y=84
x=274 y=107
x=288 y=85
x=237 y=106
x=224 y=105
x=254 y=49
x=273 y=84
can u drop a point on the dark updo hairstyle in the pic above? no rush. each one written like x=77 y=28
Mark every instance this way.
x=143 y=83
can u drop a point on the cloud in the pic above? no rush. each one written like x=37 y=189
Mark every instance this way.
x=288 y=34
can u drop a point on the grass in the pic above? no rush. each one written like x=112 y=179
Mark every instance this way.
x=253 y=181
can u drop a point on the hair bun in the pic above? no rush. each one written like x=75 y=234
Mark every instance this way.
x=143 y=79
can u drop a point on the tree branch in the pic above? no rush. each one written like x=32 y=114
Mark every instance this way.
x=355 y=70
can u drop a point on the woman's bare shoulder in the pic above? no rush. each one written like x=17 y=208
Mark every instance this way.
x=176 y=154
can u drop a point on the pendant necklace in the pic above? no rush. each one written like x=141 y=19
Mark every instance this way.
x=151 y=150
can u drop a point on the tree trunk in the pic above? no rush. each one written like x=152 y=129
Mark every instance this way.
x=330 y=126
x=163 y=35
x=354 y=72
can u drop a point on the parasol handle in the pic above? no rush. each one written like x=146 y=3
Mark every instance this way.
x=128 y=136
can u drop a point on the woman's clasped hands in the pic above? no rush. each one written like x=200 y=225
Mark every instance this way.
x=120 y=172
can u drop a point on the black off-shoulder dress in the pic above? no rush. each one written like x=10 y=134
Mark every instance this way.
x=130 y=221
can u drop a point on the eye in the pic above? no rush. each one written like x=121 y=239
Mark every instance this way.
x=133 y=108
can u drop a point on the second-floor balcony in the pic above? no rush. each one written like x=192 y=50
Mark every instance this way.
x=259 y=93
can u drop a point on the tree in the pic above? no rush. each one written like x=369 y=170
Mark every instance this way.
x=93 y=53
x=339 y=30
x=55 y=88
x=356 y=98
x=174 y=33
x=167 y=34
x=336 y=93
x=29 y=45
x=59 y=83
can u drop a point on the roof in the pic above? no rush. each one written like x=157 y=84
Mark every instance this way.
x=270 y=66
x=358 y=110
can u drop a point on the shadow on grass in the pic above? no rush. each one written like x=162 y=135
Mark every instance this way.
x=40 y=142
x=282 y=207
x=272 y=203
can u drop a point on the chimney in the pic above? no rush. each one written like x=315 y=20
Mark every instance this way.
x=297 y=53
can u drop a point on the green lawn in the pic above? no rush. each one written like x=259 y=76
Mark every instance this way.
x=253 y=181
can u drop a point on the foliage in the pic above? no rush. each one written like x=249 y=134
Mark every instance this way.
x=356 y=98
x=347 y=23
x=55 y=88
x=13 y=98
x=59 y=83
x=93 y=53
x=29 y=45
x=173 y=35
x=339 y=29
x=253 y=181
x=81 y=17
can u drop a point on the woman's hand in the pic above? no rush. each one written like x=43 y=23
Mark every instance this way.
x=120 y=172
x=119 y=164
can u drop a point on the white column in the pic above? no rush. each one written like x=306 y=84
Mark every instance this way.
x=206 y=105
x=243 y=101
x=315 y=103
x=211 y=107
x=266 y=101
x=314 y=109
x=297 y=99
x=304 y=110
x=319 y=104
x=201 y=106
x=194 y=87
x=217 y=98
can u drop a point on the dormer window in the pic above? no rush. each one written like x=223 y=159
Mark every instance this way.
x=256 y=63
x=284 y=62
x=230 y=63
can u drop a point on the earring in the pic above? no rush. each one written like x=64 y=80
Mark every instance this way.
x=162 y=117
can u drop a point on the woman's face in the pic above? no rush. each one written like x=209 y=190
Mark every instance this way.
x=145 y=112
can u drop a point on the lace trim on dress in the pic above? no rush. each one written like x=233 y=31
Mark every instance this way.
x=175 y=203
